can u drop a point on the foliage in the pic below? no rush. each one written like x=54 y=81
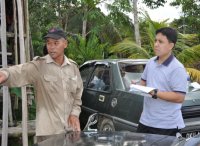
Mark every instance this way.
x=189 y=7
x=151 y=27
x=190 y=56
x=194 y=74
x=122 y=23
x=119 y=18
x=184 y=49
x=185 y=41
x=154 y=3
x=120 y=6
x=104 y=26
x=15 y=91
x=129 y=49
x=108 y=29
x=81 y=50
x=42 y=16
x=32 y=111
x=70 y=15
x=190 y=20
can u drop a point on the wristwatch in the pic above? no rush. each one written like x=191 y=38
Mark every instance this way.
x=154 y=96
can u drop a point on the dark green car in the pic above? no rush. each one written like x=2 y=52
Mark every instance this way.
x=106 y=92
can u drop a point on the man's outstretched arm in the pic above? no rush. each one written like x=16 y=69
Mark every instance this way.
x=3 y=76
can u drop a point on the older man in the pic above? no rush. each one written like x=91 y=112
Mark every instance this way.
x=58 y=86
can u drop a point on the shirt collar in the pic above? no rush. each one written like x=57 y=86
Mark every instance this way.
x=50 y=60
x=167 y=61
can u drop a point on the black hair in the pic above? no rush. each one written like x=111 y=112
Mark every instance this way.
x=170 y=33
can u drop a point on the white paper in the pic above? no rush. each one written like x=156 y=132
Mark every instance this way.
x=195 y=85
x=144 y=89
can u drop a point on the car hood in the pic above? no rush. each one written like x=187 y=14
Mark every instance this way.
x=111 y=139
x=193 y=141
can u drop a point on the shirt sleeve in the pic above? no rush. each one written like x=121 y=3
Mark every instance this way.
x=178 y=81
x=20 y=75
x=76 y=109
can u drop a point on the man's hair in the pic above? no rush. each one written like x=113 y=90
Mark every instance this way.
x=170 y=33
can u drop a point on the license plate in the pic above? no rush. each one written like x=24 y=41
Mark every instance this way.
x=190 y=134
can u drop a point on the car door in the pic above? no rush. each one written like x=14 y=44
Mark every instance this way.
x=99 y=88
x=96 y=83
x=103 y=93
x=88 y=100
x=126 y=106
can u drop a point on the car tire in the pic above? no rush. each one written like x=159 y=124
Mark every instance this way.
x=106 y=125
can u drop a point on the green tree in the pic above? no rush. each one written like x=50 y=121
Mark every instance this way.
x=81 y=49
x=74 y=16
x=190 y=56
x=154 y=3
x=43 y=15
x=185 y=49
x=189 y=22
x=128 y=49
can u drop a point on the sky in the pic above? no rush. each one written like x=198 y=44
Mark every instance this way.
x=159 y=14
x=162 y=13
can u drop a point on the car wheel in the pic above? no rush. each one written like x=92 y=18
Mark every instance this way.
x=106 y=125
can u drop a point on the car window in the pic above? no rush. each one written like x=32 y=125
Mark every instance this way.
x=100 y=79
x=130 y=72
x=85 y=71
x=106 y=79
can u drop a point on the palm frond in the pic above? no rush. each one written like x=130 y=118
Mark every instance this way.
x=130 y=49
x=190 y=56
x=194 y=74
x=152 y=27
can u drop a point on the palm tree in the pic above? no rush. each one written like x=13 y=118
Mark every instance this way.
x=182 y=50
x=128 y=49
x=186 y=49
x=136 y=22
x=130 y=46
x=81 y=49
x=190 y=56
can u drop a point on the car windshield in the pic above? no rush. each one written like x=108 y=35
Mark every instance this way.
x=131 y=71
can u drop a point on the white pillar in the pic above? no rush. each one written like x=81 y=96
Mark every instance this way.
x=22 y=60
x=4 y=138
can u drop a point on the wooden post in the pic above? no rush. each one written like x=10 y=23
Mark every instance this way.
x=26 y=24
x=4 y=138
x=15 y=31
x=10 y=116
x=22 y=60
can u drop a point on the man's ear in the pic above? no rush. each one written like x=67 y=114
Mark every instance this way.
x=65 y=43
x=172 y=45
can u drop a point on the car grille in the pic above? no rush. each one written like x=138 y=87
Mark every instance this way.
x=191 y=111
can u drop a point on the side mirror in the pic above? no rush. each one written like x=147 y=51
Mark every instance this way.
x=91 y=121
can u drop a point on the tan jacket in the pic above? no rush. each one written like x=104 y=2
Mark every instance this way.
x=58 y=91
